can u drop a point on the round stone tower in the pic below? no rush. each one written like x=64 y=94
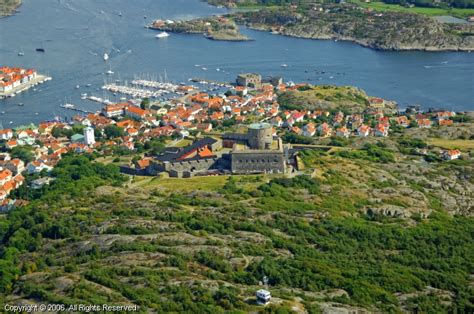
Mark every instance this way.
x=260 y=136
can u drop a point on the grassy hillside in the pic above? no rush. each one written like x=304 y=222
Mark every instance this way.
x=326 y=97
x=361 y=232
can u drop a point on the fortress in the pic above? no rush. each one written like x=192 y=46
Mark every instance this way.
x=257 y=151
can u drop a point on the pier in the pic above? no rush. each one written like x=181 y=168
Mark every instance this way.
x=73 y=108
x=99 y=100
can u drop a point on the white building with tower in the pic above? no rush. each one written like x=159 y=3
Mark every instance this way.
x=89 y=138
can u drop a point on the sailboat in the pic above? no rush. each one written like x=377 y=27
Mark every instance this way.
x=106 y=57
x=21 y=53
x=109 y=72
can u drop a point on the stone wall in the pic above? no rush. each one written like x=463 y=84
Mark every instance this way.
x=186 y=168
x=254 y=161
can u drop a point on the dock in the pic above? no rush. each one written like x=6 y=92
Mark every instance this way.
x=73 y=108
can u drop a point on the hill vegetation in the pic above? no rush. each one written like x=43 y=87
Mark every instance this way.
x=327 y=97
x=364 y=231
x=390 y=30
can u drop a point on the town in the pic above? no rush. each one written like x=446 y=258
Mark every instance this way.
x=16 y=80
x=244 y=130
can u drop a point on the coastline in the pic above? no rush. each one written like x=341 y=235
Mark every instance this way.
x=388 y=31
x=10 y=10
x=362 y=43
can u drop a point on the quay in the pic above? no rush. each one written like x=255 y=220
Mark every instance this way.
x=73 y=108
x=210 y=82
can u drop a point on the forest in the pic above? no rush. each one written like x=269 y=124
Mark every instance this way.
x=208 y=250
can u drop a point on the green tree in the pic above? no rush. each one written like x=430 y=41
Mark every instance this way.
x=113 y=131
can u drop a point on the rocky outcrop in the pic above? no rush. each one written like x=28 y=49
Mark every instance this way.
x=384 y=31
x=8 y=7
x=215 y=28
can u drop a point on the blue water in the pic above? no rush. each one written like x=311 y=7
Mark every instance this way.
x=75 y=35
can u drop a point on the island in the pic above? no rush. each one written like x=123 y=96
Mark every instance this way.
x=215 y=28
x=392 y=28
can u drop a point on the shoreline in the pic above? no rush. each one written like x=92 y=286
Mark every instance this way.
x=361 y=42
x=11 y=11
x=404 y=31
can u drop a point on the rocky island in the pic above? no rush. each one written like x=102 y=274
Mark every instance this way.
x=388 y=30
x=215 y=28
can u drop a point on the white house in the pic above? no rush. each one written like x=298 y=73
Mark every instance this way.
x=451 y=154
x=37 y=167
x=6 y=134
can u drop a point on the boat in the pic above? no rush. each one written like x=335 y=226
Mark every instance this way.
x=40 y=50
x=162 y=35
x=36 y=113
x=11 y=122
x=109 y=72
x=120 y=14
x=67 y=106
x=204 y=69
x=106 y=57
x=21 y=53
x=21 y=104
x=3 y=112
x=284 y=65
x=89 y=85
x=77 y=87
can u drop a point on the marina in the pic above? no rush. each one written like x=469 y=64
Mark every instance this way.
x=160 y=89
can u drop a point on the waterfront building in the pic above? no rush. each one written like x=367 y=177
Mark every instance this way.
x=11 y=78
x=137 y=113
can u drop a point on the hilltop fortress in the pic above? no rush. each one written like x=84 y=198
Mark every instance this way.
x=257 y=151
